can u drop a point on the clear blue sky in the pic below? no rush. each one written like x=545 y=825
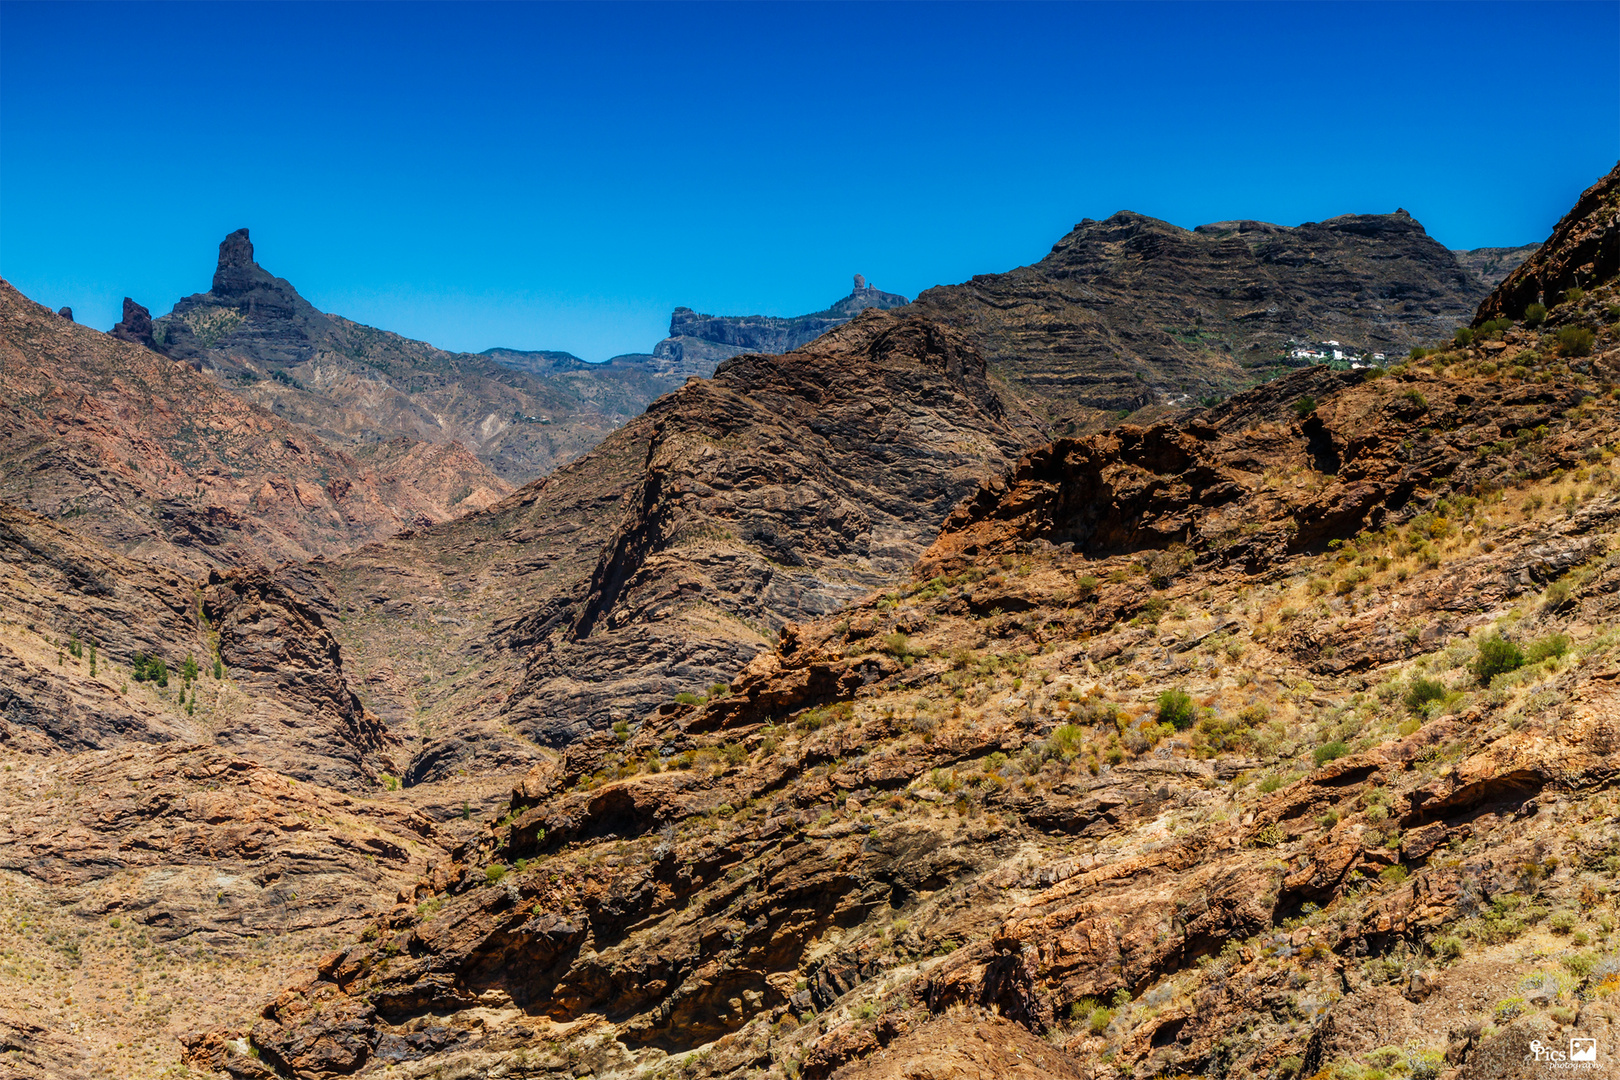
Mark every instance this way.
x=562 y=176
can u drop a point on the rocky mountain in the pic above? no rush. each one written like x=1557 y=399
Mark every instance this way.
x=353 y=385
x=155 y=460
x=848 y=737
x=1274 y=739
x=1132 y=312
x=697 y=343
x=1584 y=250
x=1492 y=265
x=191 y=792
x=659 y=564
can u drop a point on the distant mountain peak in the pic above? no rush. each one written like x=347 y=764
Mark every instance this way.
x=697 y=342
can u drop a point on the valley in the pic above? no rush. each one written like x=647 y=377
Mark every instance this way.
x=854 y=695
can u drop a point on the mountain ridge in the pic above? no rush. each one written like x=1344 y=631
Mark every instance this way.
x=1134 y=313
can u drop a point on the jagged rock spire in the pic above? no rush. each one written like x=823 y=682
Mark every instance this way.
x=135 y=326
x=234 y=275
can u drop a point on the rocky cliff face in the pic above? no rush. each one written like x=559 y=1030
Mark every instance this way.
x=1132 y=312
x=697 y=343
x=1276 y=740
x=353 y=384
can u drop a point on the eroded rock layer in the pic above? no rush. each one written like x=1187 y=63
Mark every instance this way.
x=1132 y=312
x=1275 y=741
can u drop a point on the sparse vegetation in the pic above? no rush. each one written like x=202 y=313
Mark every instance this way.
x=1575 y=341
x=1497 y=655
x=1176 y=709
x=1329 y=751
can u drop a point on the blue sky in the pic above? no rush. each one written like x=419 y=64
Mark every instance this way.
x=562 y=176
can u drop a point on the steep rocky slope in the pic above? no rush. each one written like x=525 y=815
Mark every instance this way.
x=1583 y=250
x=153 y=459
x=174 y=840
x=353 y=384
x=659 y=564
x=1133 y=312
x=150 y=891
x=1275 y=741
x=80 y=625
x=697 y=343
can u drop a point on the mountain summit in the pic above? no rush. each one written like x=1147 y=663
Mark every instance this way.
x=358 y=386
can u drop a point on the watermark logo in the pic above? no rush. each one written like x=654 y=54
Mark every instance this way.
x=1555 y=1056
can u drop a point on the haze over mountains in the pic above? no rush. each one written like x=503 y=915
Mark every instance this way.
x=768 y=742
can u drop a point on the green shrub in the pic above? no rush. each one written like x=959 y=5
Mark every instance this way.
x=1449 y=948
x=149 y=669
x=1575 y=341
x=1065 y=741
x=1421 y=691
x=1424 y=1064
x=1548 y=648
x=1581 y=964
x=1329 y=751
x=1535 y=315
x=1574 y=295
x=686 y=698
x=1417 y=399
x=494 y=872
x=1394 y=874
x=1561 y=922
x=1496 y=655
x=1492 y=329
x=1304 y=407
x=1099 y=1020
x=897 y=644
x=1176 y=709
x=188 y=669
x=1463 y=336
x=1274 y=781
